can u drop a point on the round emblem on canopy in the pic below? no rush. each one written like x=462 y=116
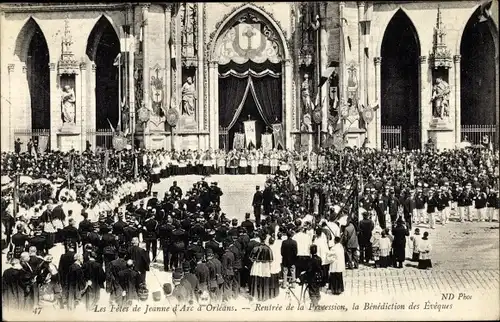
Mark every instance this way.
x=172 y=116
x=316 y=114
x=143 y=114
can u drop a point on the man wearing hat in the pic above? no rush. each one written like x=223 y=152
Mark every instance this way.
x=257 y=204
x=130 y=281
x=140 y=258
x=432 y=204
x=228 y=262
x=39 y=242
x=150 y=234
x=202 y=273
x=420 y=201
x=480 y=203
x=183 y=291
x=94 y=272
x=70 y=234
x=113 y=286
x=191 y=277
x=493 y=205
x=247 y=224
x=213 y=245
x=215 y=279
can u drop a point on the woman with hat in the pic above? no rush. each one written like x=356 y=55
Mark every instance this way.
x=424 y=249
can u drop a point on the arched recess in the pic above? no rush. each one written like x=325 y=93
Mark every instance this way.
x=32 y=51
x=478 y=74
x=400 y=94
x=103 y=46
x=268 y=62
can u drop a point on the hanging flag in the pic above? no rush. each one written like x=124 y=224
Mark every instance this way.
x=347 y=40
x=250 y=135
x=118 y=60
x=278 y=136
x=292 y=176
x=267 y=142
x=325 y=75
x=239 y=141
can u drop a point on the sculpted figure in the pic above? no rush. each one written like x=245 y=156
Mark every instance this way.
x=306 y=95
x=440 y=99
x=188 y=97
x=68 y=104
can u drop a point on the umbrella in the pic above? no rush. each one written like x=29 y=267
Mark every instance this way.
x=5 y=180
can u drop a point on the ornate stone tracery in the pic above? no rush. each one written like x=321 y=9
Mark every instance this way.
x=188 y=13
x=67 y=63
x=441 y=55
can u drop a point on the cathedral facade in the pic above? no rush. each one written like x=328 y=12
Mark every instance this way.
x=191 y=75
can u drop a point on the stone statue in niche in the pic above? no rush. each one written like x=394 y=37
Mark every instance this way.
x=440 y=99
x=189 y=98
x=68 y=101
x=306 y=95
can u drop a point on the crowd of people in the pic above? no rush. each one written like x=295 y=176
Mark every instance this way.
x=318 y=214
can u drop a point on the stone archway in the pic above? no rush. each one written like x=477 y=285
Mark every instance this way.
x=399 y=75
x=103 y=46
x=33 y=53
x=227 y=23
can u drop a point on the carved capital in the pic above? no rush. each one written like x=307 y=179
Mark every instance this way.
x=10 y=67
x=377 y=60
x=167 y=6
x=361 y=4
x=94 y=67
x=422 y=59
x=212 y=63
x=52 y=66
x=457 y=58
x=83 y=66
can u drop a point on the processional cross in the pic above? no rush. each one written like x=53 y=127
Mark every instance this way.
x=249 y=33
x=157 y=94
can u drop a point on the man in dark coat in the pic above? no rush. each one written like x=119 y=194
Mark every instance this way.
x=215 y=279
x=237 y=267
x=191 y=278
x=39 y=242
x=202 y=273
x=257 y=204
x=175 y=191
x=76 y=283
x=67 y=259
x=113 y=286
x=267 y=198
x=183 y=291
x=227 y=262
x=19 y=241
x=399 y=243
x=165 y=230
x=130 y=281
x=85 y=227
x=70 y=235
x=140 y=258
x=366 y=227
x=247 y=224
x=12 y=288
x=94 y=273
x=288 y=257
x=151 y=235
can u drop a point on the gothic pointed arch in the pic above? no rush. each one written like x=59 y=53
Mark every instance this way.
x=400 y=95
x=103 y=46
x=478 y=78
x=30 y=29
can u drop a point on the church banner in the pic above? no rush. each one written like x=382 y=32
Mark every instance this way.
x=267 y=142
x=239 y=141
x=250 y=136
x=278 y=136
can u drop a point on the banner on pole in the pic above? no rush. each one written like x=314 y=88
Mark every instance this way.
x=250 y=135
x=278 y=136
x=267 y=142
x=239 y=141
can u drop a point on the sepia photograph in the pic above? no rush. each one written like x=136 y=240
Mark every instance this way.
x=250 y=161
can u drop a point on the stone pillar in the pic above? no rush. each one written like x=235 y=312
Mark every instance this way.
x=55 y=106
x=288 y=102
x=324 y=65
x=8 y=129
x=92 y=107
x=168 y=68
x=425 y=108
x=361 y=56
x=26 y=99
x=378 y=123
x=213 y=108
x=458 y=111
x=83 y=105
x=145 y=62
x=199 y=75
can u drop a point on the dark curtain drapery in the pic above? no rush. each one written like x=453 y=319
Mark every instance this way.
x=261 y=81
x=267 y=95
x=232 y=95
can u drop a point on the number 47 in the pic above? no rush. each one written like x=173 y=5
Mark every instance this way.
x=37 y=310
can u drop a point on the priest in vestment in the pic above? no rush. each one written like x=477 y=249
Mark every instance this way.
x=260 y=274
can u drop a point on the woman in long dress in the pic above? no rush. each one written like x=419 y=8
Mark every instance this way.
x=336 y=258
x=260 y=274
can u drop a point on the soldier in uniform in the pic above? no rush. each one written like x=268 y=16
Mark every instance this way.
x=108 y=246
x=215 y=279
x=71 y=235
x=202 y=273
x=39 y=242
x=228 y=263
x=151 y=235
x=19 y=241
x=183 y=291
x=84 y=228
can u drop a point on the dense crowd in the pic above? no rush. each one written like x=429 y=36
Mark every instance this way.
x=306 y=225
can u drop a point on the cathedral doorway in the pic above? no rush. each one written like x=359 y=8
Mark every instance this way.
x=103 y=47
x=250 y=55
x=478 y=79
x=400 y=84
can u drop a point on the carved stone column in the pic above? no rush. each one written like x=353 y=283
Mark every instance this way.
x=288 y=102
x=55 y=106
x=145 y=60
x=425 y=108
x=324 y=65
x=83 y=105
x=168 y=68
x=92 y=106
x=199 y=74
x=8 y=130
x=378 y=124
x=214 y=108
x=361 y=56
x=458 y=111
